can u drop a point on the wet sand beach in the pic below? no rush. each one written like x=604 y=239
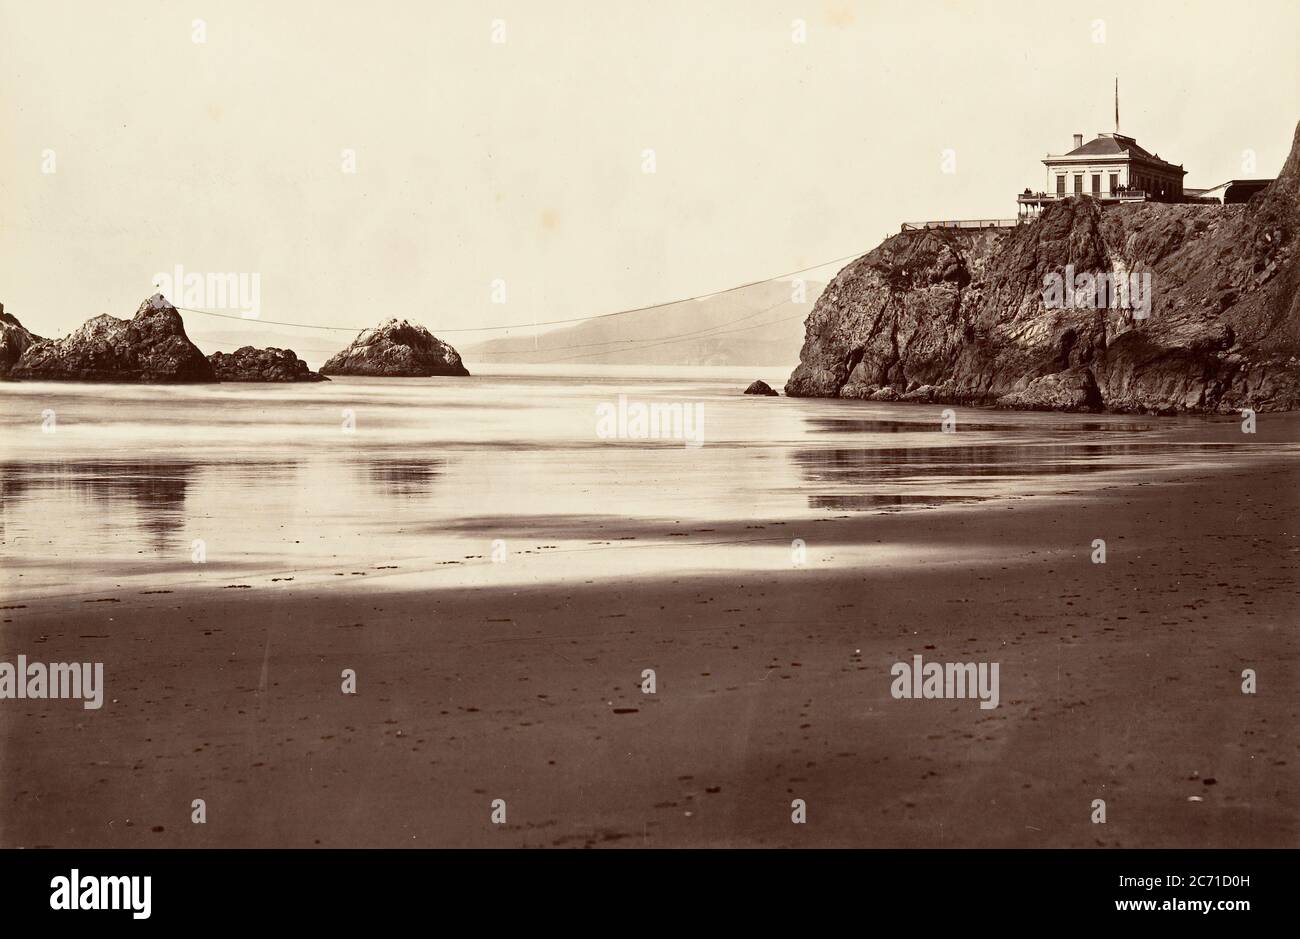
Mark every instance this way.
x=1119 y=681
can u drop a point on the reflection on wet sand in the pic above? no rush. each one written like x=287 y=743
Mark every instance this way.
x=863 y=502
x=851 y=425
x=151 y=492
x=947 y=467
x=152 y=496
x=402 y=478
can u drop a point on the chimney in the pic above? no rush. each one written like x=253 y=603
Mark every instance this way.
x=1078 y=141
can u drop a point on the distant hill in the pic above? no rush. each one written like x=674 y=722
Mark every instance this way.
x=758 y=325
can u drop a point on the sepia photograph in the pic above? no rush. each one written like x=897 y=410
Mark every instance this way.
x=863 y=427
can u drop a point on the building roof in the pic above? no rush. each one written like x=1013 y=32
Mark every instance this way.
x=1106 y=144
x=1250 y=185
x=1114 y=145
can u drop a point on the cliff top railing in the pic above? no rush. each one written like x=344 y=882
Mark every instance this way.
x=963 y=223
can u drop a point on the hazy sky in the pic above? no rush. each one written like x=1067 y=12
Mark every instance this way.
x=523 y=160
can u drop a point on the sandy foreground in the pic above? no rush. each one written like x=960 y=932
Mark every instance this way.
x=1119 y=682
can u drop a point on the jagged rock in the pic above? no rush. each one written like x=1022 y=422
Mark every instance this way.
x=249 y=364
x=1074 y=389
x=964 y=310
x=760 y=387
x=149 y=347
x=858 y=391
x=396 y=349
x=922 y=394
x=14 y=340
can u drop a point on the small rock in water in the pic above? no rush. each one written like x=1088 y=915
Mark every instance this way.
x=760 y=387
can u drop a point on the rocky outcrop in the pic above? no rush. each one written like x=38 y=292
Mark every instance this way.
x=966 y=316
x=396 y=349
x=1074 y=389
x=760 y=387
x=249 y=364
x=14 y=340
x=149 y=347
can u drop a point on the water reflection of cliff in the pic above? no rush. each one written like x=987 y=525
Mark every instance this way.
x=873 y=476
x=835 y=425
x=865 y=464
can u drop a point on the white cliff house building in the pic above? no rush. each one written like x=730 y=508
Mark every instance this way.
x=1112 y=168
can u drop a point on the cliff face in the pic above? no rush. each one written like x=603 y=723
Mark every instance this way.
x=961 y=316
x=14 y=340
x=249 y=364
x=396 y=349
x=149 y=347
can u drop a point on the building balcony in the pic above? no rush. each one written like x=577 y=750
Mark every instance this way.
x=1042 y=198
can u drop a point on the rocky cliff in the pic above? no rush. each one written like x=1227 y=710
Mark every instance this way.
x=14 y=340
x=271 y=364
x=149 y=347
x=967 y=316
x=396 y=349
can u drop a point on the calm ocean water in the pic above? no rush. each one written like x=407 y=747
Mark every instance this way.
x=429 y=482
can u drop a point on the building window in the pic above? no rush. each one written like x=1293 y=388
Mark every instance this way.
x=1060 y=185
x=1114 y=183
x=1078 y=185
x=1096 y=184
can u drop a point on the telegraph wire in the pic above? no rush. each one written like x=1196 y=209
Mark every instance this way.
x=670 y=340
x=616 y=342
x=562 y=322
